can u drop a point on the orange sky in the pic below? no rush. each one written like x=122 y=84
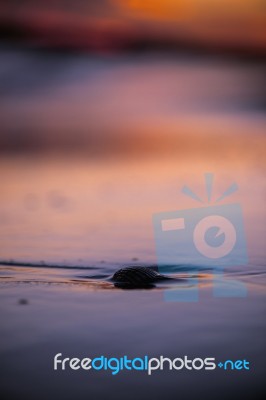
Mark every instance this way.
x=220 y=22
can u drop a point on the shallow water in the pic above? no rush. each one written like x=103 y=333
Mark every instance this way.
x=66 y=241
x=79 y=314
x=69 y=221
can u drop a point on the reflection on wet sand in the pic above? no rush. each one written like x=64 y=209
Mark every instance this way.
x=67 y=278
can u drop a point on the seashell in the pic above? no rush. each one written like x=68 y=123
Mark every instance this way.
x=137 y=277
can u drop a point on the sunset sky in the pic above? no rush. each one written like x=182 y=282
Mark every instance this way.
x=119 y=23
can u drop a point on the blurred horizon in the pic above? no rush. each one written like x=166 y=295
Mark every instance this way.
x=129 y=78
x=130 y=106
x=235 y=28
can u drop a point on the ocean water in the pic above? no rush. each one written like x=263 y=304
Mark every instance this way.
x=66 y=228
x=69 y=221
